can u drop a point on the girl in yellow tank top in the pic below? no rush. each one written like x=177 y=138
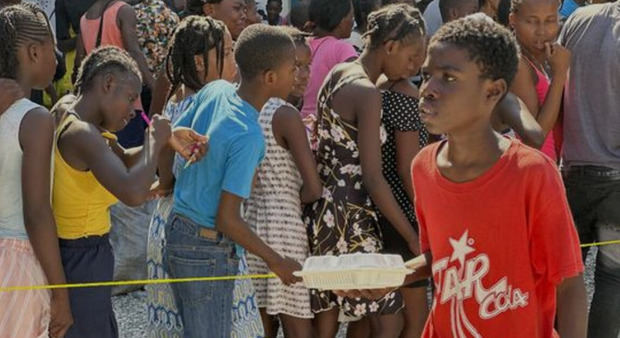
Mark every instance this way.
x=93 y=171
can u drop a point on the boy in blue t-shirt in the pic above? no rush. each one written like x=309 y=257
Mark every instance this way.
x=206 y=222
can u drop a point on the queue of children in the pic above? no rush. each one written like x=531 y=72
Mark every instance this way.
x=276 y=144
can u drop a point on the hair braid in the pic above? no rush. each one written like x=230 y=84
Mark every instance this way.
x=102 y=60
x=195 y=35
x=20 y=24
x=394 y=22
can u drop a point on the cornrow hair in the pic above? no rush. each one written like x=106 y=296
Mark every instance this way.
x=195 y=35
x=102 y=60
x=395 y=22
x=20 y=24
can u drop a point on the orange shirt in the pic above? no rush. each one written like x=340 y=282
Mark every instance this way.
x=500 y=245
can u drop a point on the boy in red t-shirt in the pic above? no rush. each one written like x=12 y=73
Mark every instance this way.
x=495 y=226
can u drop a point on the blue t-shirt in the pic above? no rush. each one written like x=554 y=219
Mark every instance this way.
x=236 y=147
x=568 y=7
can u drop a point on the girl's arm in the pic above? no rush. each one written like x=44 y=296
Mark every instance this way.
x=160 y=93
x=84 y=149
x=367 y=108
x=524 y=87
x=290 y=133
x=515 y=114
x=36 y=136
x=127 y=20
x=407 y=142
x=80 y=54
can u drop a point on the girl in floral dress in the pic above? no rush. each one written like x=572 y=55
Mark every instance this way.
x=350 y=135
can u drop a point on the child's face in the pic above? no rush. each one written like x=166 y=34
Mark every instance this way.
x=232 y=13
x=303 y=57
x=285 y=77
x=229 y=67
x=252 y=14
x=454 y=96
x=273 y=10
x=40 y=59
x=405 y=58
x=120 y=92
x=536 y=23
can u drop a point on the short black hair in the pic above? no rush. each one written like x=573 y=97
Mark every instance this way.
x=446 y=5
x=299 y=15
x=260 y=48
x=102 y=60
x=195 y=35
x=516 y=4
x=194 y=7
x=327 y=14
x=361 y=9
x=394 y=22
x=20 y=24
x=268 y=1
x=299 y=37
x=489 y=44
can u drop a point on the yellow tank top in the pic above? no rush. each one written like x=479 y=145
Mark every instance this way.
x=81 y=204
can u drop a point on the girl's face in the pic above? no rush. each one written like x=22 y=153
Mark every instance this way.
x=405 y=58
x=229 y=67
x=303 y=57
x=252 y=14
x=120 y=92
x=274 y=8
x=536 y=23
x=231 y=12
x=40 y=60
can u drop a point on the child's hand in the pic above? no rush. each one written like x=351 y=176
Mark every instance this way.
x=188 y=143
x=60 y=313
x=160 y=189
x=559 y=59
x=284 y=269
x=10 y=92
x=414 y=246
x=160 y=131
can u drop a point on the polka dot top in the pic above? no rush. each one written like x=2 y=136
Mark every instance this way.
x=400 y=113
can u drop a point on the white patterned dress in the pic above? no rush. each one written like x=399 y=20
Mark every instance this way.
x=274 y=211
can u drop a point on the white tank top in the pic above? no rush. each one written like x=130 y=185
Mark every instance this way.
x=11 y=206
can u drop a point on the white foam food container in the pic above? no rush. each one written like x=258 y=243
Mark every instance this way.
x=357 y=271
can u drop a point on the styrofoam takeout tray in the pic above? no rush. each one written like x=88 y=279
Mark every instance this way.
x=357 y=271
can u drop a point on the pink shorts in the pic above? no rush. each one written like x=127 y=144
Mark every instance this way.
x=24 y=313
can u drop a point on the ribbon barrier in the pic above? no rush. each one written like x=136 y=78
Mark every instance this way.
x=185 y=280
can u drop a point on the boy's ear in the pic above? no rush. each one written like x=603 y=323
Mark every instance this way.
x=270 y=77
x=496 y=90
x=511 y=20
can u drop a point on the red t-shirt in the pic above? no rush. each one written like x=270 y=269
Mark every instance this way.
x=500 y=245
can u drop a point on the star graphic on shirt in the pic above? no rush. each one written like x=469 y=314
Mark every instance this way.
x=461 y=249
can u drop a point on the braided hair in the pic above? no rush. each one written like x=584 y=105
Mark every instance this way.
x=103 y=60
x=20 y=24
x=299 y=37
x=395 y=22
x=195 y=35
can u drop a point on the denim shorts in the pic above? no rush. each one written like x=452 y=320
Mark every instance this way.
x=205 y=307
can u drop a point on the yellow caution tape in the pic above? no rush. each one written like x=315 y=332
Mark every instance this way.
x=182 y=280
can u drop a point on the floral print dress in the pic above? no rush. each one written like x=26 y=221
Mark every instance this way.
x=344 y=220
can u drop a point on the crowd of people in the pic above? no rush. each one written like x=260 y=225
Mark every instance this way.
x=477 y=139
